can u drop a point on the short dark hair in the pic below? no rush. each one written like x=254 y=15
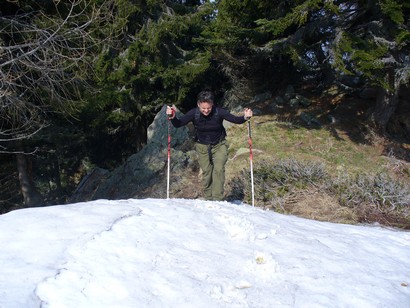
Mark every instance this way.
x=205 y=96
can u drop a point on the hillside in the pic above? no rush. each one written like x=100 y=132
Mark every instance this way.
x=329 y=130
x=314 y=157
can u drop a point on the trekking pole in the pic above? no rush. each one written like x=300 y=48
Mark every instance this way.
x=251 y=161
x=169 y=116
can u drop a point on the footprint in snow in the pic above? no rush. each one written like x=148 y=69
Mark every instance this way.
x=238 y=228
x=242 y=229
x=263 y=266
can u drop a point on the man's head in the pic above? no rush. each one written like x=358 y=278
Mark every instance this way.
x=205 y=96
x=205 y=102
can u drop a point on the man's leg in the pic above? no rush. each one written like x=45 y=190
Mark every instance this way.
x=220 y=157
x=206 y=167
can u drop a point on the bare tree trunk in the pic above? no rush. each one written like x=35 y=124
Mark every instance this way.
x=55 y=177
x=30 y=193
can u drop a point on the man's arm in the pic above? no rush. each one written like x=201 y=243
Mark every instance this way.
x=184 y=119
x=236 y=119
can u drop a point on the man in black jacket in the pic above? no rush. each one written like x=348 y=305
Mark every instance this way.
x=211 y=145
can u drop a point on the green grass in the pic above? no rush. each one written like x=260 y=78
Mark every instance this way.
x=283 y=140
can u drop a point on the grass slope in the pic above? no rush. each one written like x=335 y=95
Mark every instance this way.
x=360 y=176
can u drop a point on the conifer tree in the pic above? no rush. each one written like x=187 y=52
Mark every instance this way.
x=374 y=43
x=326 y=39
x=160 y=61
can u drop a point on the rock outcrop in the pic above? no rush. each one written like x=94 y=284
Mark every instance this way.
x=143 y=171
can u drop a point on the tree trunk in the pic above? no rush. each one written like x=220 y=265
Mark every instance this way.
x=385 y=107
x=55 y=176
x=30 y=193
x=399 y=125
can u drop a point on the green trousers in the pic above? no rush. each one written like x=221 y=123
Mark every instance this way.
x=212 y=162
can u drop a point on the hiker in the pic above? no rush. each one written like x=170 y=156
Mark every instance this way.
x=211 y=144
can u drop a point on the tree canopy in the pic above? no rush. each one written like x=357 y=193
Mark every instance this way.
x=46 y=51
x=326 y=39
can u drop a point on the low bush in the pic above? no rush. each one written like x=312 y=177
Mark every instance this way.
x=274 y=181
x=278 y=183
x=380 y=190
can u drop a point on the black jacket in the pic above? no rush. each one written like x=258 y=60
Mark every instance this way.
x=209 y=129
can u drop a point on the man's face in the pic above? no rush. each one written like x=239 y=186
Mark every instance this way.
x=205 y=108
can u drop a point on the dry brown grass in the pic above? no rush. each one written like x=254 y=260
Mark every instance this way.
x=322 y=207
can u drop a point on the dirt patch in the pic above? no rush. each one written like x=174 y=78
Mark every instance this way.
x=320 y=206
x=371 y=214
x=183 y=184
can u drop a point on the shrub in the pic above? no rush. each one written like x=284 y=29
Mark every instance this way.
x=275 y=180
x=380 y=190
x=281 y=182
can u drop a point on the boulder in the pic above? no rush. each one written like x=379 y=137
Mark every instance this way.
x=310 y=119
x=141 y=169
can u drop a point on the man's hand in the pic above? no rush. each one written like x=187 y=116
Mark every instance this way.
x=247 y=113
x=171 y=111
